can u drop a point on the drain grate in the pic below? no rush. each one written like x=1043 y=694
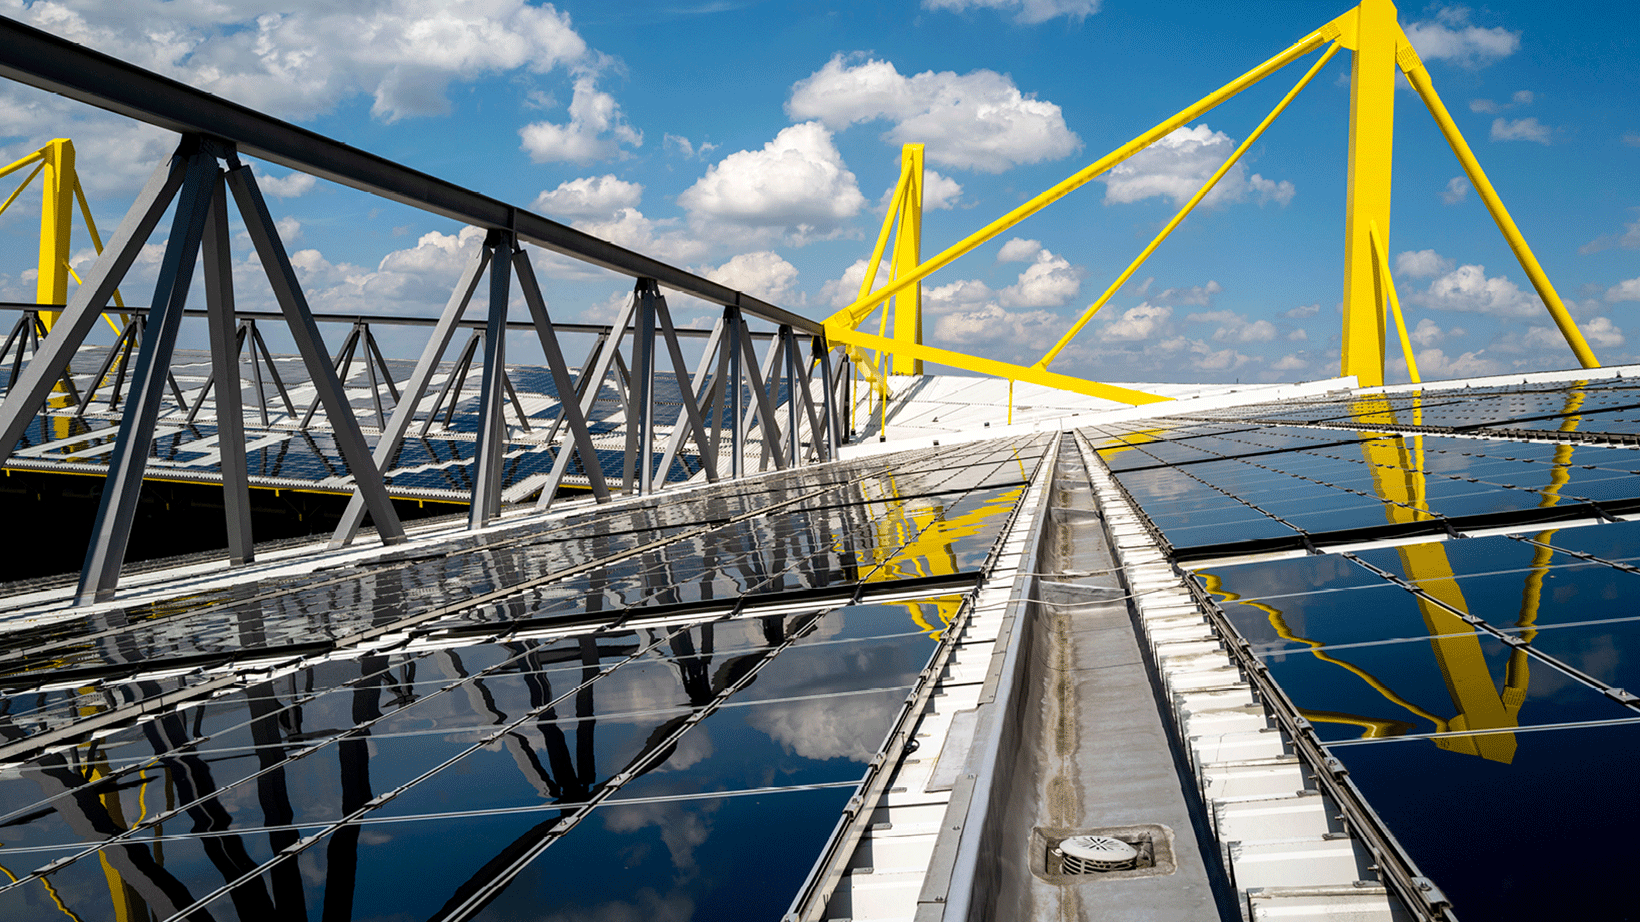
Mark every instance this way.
x=1095 y=854
x=1068 y=856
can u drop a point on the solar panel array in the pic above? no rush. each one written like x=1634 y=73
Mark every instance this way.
x=607 y=715
x=282 y=452
x=1441 y=583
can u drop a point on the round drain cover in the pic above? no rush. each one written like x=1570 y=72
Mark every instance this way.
x=1083 y=854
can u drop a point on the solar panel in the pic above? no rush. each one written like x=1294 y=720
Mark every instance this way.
x=603 y=724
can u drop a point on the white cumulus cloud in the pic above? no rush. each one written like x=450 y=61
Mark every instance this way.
x=304 y=57
x=1488 y=107
x=1470 y=289
x=1019 y=250
x=1520 y=129
x=589 y=197
x=797 y=183
x=1421 y=264
x=1025 y=11
x=596 y=129
x=1429 y=333
x=1434 y=363
x=289 y=185
x=1450 y=36
x=1600 y=331
x=763 y=274
x=1049 y=281
x=1137 y=323
x=841 y=292
x=1628 y=240
x=1626 y=290
x=662 y=238
x=974 y=121
x=1195 y=295
x=1456 y=188
x=1178 y=164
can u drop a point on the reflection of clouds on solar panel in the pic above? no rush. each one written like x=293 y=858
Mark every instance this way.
x=646 y=906
x=1166 y=484
x=683 y=828
x=695 y=746
x=844 y=727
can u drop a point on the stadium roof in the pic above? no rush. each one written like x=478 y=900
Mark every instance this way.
x=1363 y=625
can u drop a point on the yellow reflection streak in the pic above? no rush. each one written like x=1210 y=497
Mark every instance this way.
x=1400 y=483
x=1317 y=649
x=918 y=544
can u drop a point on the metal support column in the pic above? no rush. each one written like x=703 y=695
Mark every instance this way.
x=590 y=382
x=706 y=391
x=118 y=506
x=794 y=438
x=492 y=421
x=688 y=395
x=230 y=414
x=733 y=333
x=641 y=396
x=569 y=404
x=827 y=396
x=1372 y=138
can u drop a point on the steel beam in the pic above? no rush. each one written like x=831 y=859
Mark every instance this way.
x=642 y=402
x=732 y=398
x=704 y=395
x=568 y=398
x=687 y=394
x=43 y=60
x=764 y=407
x=404 y=412
x=591 y=381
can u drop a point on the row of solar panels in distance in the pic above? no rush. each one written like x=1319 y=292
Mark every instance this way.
x=1209 y=488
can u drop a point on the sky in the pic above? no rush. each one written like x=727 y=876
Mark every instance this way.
x=755 y=143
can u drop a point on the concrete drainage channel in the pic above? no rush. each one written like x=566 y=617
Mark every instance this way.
x=1279 y=836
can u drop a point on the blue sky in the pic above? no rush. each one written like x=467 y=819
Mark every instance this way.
x=753 y=142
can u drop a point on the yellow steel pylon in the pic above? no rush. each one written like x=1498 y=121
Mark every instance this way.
x=1380 y=49
x=61 y=192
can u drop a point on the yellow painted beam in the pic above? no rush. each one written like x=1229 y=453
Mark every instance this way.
x=56 y=221
x=907 y=254
x=992 y=367
x=1413 y=67
x=1371 y=147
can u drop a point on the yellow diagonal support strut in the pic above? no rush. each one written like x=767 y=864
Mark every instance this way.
x=1387 y=280
x=1413 y=67
x=1184 y=212
x=856 y=312
x=993 y=367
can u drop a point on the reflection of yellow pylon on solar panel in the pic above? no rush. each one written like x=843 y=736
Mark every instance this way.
x=916 y=543
x=1482 y=703
x=1381 y=51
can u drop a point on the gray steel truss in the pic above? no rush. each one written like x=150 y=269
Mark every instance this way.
x=731 y=389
